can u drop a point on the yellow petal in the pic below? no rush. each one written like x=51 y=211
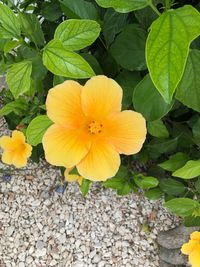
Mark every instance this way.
x=126 y=131
x=195 y=235
x=65 y=147
x=194 y=258
x=19 y=161
x=18 y=137
x=102 y=162
x=187 y=248
x=27 y=150
x=7 y=157
x=64 y=104
x=100 y=97
x=72 y=178
x=6 y=142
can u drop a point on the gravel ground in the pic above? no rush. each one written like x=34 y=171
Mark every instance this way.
x=40 y=227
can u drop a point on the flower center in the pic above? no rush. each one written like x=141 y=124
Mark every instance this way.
x=95 y=127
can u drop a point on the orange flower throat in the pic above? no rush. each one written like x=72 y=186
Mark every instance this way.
x=95 y=127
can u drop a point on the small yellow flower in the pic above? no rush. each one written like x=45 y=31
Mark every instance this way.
x=72 y=177
x=90 y=131
x=192 y=248
x=16 y=150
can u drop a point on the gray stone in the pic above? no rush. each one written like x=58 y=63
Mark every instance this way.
x=40 y=244
x=172 y=256
x=165 y=264
x=176 y=237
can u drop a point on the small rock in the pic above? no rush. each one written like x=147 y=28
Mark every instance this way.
x=29 y=177
x=172 y=256
x=176 y=237
x=10 y=230
x=53 y=263
x=40 y=244
x=165 y=264
x=21 y=264
x=40 y=253
x=22 y=256
x=96 y=259
x=29 y=259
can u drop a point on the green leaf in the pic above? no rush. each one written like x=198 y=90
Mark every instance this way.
x=123 y=6
x=182 y=206
x=172 y=187
x=145 y=182
x=191 y=221
x=10 y=45
x=51 y=10
x=190 y=170
x=160 y=146
x=148 y=101
x=196 y=131
x=79 y=9
x=174 y=162
x=157 y=129
x=85 y=186
x=128 y=49
x=63 y=62
x=18 y=107
x=197 y=185
x=92 y=61
x=113 y=23
x=19 y=78
x=37 y=128
x=31 y=27
x=128 y=80
x=9 y=23
x=76 y=34
x=153 y=194
x=167 y=47
x=188 y=88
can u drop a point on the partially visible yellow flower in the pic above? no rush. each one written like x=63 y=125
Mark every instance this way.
x=90 y=131
x=73 y=177
x=16 y=150
x=192 y=248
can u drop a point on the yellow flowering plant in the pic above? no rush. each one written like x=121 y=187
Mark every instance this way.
x=109 y=89
x=192 y=249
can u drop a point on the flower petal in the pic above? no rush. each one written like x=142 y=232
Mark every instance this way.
x=100 y=97
x=194 y=258
x=187 y=248
x=6 y=142
x=18 y=137
x=126 y=131
x=102 y=162
x=19 y=161
x=7 y=157
x=27 y=150
x=64 y=104
x=65 y=147
x=195 y=235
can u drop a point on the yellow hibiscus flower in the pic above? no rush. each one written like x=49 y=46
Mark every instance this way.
x=16 y=150
x=192 y=248
x=72 y=177
x=89 y=129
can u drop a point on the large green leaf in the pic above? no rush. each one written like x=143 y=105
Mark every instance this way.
x=196 y=131
x=31 y=28
x=37 y=128
x=9 y=23
x=182 y=206
x=148 y=101
x=19 y=78
x=18 y=107
x=174 y=162
x=76 y=34
x=113 y=23
x=79 y=9
x=157 y=129
x=190 y=170
x=145 y=182
x=188 y=91
x=123 y=6
x=63 y=62
x=128 y=49
x=172 y=187
x=128 y=80
x=167 y=47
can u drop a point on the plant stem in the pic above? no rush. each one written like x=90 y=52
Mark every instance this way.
x=154 y=8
